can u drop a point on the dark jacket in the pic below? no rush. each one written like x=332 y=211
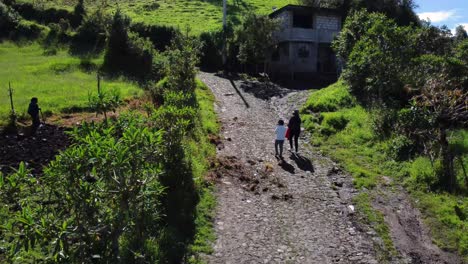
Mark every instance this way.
x=33 y=109
x=295 y=124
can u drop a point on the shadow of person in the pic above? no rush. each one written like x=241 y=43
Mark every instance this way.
x=302 y=162
x=286 y=166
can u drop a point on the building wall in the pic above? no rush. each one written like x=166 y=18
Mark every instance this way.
x=302 y=42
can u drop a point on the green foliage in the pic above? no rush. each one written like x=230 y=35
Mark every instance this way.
x=211 y=58
x=333 y=122
x=203 y=16
x=58 y=81
x=331 y=99
x=98 y=193
x=255 y=38
x=183 y=56
x=376 y=220
x=79 y=14
x=423 y=174
x=104 y=101
x=376 y=51
x=446 y=214
x=367 y=156
x=128 y=53
x=9 y=19
x=90 y=37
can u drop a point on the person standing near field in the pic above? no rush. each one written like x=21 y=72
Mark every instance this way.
x=33 y=111
x=294 y=126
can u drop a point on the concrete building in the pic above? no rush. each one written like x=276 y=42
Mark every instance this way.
x=304 y=41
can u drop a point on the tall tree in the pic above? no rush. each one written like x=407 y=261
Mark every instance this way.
x=460 y=33
x=256 y=39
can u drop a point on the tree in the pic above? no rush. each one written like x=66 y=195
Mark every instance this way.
x=400 y=10
x=445 y=102
x=79 y=13
x=376 y=52
x=256 y=38
x=183 y=56
x=460 y=33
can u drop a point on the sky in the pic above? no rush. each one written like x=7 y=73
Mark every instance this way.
x=446 y=12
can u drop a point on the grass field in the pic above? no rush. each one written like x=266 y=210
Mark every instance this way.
x=57 y=80
x=201 y=15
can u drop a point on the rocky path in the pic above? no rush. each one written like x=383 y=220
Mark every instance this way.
x=295 y=211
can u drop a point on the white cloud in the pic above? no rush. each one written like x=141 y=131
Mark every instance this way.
x=439 y=16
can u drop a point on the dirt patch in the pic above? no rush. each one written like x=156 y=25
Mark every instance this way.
x=36 y=151
x=409 y=234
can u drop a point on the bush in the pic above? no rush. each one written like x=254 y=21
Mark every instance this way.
x=401 y=148
x=46 y=16
x=91 y=36
x=27 y=30
x=383 y=121
x=129 y=54
x=211 y=52
x=98 y=201
x=9 y=19
x=160 y=36
x=423 y=174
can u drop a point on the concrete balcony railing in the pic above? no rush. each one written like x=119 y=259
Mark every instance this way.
x=306 y=35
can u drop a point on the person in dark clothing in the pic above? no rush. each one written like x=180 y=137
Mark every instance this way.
x=33 y=111
x=294 y=126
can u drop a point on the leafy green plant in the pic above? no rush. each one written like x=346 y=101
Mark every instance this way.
x=97 y=194
x=104 y=101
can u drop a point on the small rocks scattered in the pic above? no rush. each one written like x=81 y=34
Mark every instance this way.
x=284 y=197
x=334 y=170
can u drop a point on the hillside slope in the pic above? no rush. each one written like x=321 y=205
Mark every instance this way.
x=201 y=15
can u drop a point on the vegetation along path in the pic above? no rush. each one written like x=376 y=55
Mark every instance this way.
x=271 y=211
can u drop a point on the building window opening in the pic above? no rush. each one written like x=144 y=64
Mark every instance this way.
x=302 y=20
x=303 y=52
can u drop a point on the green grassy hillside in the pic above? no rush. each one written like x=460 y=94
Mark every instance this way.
x=201 y=15
x=344 y=130
x=57 y=80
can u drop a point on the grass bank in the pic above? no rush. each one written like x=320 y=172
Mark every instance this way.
x=202 y=152
x=201 y=15
x=59 y=81
x=344 y=130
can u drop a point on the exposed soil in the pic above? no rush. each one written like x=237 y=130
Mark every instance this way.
x=296 y=210
x=36 y=151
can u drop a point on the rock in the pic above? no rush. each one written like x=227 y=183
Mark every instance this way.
x=338 y=183
x=351 y=209
x=334 y=170
x=251 y=162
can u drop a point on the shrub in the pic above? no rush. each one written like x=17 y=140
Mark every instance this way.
x=401 y=148
x=47 y=16
x=383 y=121
x=90 y=37
x=211 y=52
x=9 y=19
x=99 y=199
x=27 y=30
x=423 y=174
x=128 y=53
x=161 y=36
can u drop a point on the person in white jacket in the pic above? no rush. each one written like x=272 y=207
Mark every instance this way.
x=280 y=136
